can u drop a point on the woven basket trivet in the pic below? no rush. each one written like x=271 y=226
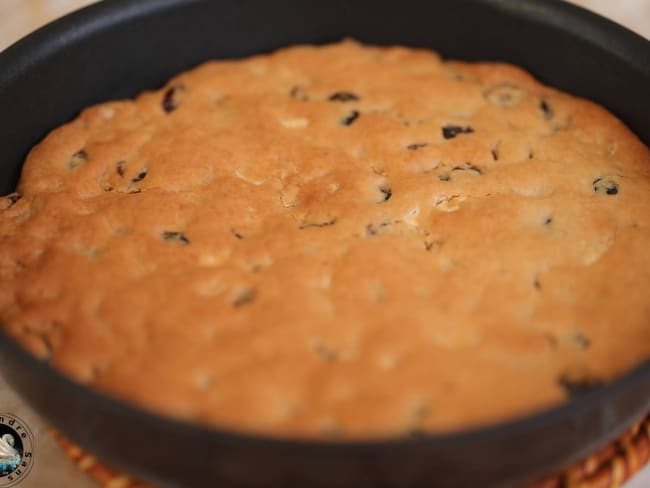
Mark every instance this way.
x=608 y=468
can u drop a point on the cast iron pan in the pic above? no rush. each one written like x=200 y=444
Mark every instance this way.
x=120 y=47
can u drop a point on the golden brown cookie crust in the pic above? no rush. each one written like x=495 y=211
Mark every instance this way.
x=341 y=240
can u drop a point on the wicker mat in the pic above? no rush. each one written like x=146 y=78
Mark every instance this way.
x=608 y=468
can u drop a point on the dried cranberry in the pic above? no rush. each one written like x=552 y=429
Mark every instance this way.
x=451 y=131
x=171 y=99
x=385 y=189
x=308 y=225
x=546 y=109
x=416 y=146
x=140 y=176
x=244 y=297
x=354 y=115
x=13 y=198
x=605 y=186
x=77 y=159
x=175 y=236
x=343 y=96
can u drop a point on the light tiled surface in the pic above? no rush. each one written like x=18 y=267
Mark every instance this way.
x=18 y=17
x=634 y=14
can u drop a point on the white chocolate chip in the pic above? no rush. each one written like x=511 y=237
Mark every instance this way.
x=296 y=123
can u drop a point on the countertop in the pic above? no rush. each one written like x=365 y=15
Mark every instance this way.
x=17 y=17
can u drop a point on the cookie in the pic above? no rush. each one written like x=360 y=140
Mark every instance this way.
x=338 y=241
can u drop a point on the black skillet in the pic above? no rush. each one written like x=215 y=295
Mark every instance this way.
x=120 y=47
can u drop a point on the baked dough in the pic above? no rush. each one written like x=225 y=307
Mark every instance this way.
x=342 y=240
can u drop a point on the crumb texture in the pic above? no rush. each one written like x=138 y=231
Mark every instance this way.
x=345 y=241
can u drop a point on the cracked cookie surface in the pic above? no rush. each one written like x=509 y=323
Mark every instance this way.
x=343 y=241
